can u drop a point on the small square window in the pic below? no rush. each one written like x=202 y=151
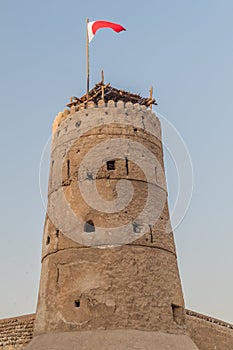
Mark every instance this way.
x=111 y=165
x=77 y=303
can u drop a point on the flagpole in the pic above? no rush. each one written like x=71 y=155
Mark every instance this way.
x=87 y=59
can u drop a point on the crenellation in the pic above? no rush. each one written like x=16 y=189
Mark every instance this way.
x=143 y=108
x=66 y=112
x=120 y=105
x=91 y=104
x=72 y=110
x=209 y=319
x=137 y=107
x=111 y=104
x=81 y=107
x=129 y=105
x=101 y=104
x=209 y=333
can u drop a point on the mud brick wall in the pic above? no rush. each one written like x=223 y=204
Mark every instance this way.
x=16 y=332
x=208 y=333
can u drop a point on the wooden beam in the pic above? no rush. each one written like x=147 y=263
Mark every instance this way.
x=151 y=96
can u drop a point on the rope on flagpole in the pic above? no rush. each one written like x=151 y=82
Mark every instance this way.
x=87 y=59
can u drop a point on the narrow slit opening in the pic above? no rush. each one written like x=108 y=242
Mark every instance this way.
x=68 y=168
x=127 y=165
x=151 y=234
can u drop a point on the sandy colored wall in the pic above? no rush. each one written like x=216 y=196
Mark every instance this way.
x=16 y=332
x=209 y=333
x=136 y=285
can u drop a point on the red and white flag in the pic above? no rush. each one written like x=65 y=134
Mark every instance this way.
x=92 y=28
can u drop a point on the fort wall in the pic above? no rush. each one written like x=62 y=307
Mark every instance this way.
x=208 y=333
x=16 y=332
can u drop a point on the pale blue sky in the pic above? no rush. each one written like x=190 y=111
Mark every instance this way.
x=184 y=48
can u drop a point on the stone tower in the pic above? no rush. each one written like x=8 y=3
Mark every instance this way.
x=109 y=276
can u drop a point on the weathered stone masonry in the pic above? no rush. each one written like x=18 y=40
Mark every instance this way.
x=207 y=332
x=16 y=332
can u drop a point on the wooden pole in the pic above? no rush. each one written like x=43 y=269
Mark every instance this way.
x=102 y=90
x=151 y=96
x=87 y=60
x=102 y=84
x=102 y=76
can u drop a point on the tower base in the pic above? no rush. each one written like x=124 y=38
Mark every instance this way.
x=111 y=340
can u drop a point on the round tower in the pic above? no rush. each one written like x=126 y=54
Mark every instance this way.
x=109 y=266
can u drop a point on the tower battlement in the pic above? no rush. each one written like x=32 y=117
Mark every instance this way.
x=62 y=116
x=103 y=95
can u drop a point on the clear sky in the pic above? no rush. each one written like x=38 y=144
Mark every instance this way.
x=184 y=48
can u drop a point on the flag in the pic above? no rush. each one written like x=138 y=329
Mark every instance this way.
x=92 y=28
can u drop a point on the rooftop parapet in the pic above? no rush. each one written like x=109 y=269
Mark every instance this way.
x=104 y=96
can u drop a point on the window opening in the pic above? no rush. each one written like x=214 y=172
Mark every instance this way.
x=111 y=165
x=89 y=226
